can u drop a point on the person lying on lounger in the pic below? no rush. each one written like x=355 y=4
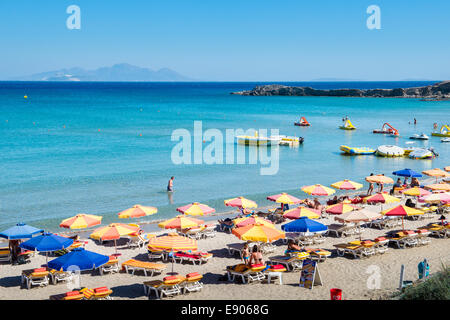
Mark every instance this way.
x=292 y=246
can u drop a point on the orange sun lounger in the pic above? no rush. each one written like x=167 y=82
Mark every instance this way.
x=133 y=265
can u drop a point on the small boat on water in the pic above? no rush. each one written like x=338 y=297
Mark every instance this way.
x=445 y=140
x=357 y=150
x=257 y=140
x=387 y=129
x=347 y=125
x=420 y=153
x=302 y=122
x=289 y=140
x=444 y=132
x=422 y=136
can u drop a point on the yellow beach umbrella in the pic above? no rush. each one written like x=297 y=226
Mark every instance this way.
x=180 y=222
x=196 y=209
x=437 y=173
x=137 y=211
x=113 y=231
x=172 y=242
x=81 y=221
x=258 y=232
x=298 y=212
x=284 y=198
x=241 y=222
x=240 y=202
x=341 y=208
x=416 y=192
x=318 y=190
x=347 y=185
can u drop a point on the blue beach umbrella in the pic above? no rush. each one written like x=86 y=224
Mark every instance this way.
x=304 y=224
x=20 y=231
x=407 y=173
x=47 y=242
x=78 y=258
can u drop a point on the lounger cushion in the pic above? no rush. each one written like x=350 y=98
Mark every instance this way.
x=40 y=270
x=366 y=242
x=100 y=289
x=72 y=293
x=408 y=232
x=380 y=239
x=238 y=268
x=193 y=274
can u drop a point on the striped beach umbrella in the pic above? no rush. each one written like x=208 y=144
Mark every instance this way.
x=358 y=216
x=240 y=202
x=318 y=190
x=436 y=198
x=113 y=231
x=379 y=178
x=347 y=185
x=438 y=187
x=298 y=212
x=341 y=208
x=81 y=221
x=172 y=242
x=137 y=211
x=180 y=222
x=196 y=209
x=401 y=211
x=437 y=173
x=416 y=192
x=284 y=198
x=258 y=232
x=242 y=222
x=447 y=168
x=381 y=198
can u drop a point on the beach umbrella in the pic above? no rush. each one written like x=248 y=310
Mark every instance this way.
x=80 y=258
x=437 y=173
x=240 y=202
x=318 y=190
x=438 y=187
x=137 y=211
x=81 y=221
x=172 y=242
x=180 y=222
x=416 y=192
x=304 y=225
x=436 y=198
x=241 y=222
x=20 y=231
x=381 y=197
x=113 y=231
x=358 y=216
x=298 y=212
x=347 y=185
x=284 y=198
x=47 y=242
x=401 y=211
x=407 y=173
x=258 y=232
x=196 y=209
x=379 y=179
x=447 y=169
x=341 y=208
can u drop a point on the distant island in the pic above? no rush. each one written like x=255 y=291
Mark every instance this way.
x=117 y=72
x=437 y=91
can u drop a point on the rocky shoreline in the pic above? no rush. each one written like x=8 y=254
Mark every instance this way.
x=436 y=92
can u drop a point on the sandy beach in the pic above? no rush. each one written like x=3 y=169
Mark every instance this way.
x=345 y=273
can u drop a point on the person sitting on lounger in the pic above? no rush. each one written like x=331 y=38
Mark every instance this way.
x=317 y=205
x=410 y=203
x=309 y=203
x=256 y=257
x=292 y=246
x=414 y=183
x=332 y=201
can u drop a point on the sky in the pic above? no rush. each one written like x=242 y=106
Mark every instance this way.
x=232 y=40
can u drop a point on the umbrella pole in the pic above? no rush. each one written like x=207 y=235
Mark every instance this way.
x=403 y=226
x=115 y=245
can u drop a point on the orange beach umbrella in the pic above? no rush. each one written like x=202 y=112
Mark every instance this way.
x=240 y=202
x=196 y=209
x=347 y=185
x=258 y=232
x=438 y=187
x=81 y=221
x=379 y=178
x=113 y=231
x=318 y=190
x=284 y=198
x=180 y=222
x=437 y=173
x=137 y=211
x=298 y=212
x=172 y=241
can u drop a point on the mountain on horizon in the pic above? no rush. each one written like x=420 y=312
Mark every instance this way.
x=117 y=72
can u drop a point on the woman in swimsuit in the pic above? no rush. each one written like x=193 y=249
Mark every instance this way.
x=256 y=257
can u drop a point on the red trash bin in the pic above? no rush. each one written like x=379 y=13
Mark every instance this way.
x=336 y=294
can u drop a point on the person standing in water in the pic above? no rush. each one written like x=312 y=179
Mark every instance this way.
x=170 y=184
x=415 y=121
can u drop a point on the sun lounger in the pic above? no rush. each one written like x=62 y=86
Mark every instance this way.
x=169 y=286
x=75 y=244
x=368 y=247
x=72 y=295
x=110 y=267
x=381 y=245
x=439 y=230
x=292 y=263
x=318 y=254
x=192 y=282
x=136 y=265
x=341 y=230
x=209 y=231
x=60 y=276
x=422 y=236
x=225 y=227
x=235 y=248
x=38 y=277
x=403 y=239
x=246 y=273
x=5 y=254
x=155 y=254
x=194 y=257
x=101 y=293
x=192 y=233
x=356 y=251
x=139 y=240
x=267 y=247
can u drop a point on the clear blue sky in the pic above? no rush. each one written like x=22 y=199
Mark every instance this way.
x=241 y=40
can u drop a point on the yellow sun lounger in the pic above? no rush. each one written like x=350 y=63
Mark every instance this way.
x=111 y=266
x=292 y=263
x=101 y=293
x=354 y=250
x=169 y=286
x=246 y=273
x=72 y=295
x=39 y=276
x=133 y=265
x=5 y=254
x=318 y=254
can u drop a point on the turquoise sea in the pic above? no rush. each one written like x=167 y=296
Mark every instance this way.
x=100 y=148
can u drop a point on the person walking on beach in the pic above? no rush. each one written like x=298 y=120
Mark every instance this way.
x=369 y=191
x=170 y=184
